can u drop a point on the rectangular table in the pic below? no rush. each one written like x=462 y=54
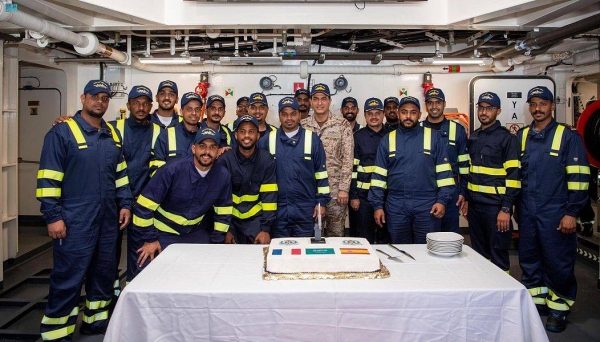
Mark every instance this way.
x=216 y=293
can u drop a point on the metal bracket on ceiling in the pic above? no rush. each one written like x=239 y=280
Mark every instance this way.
x=391 y=42
x=436 y=38
x=377 y=58
x=476 y=35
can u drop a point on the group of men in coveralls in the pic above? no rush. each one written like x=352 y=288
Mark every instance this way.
x=182 y=180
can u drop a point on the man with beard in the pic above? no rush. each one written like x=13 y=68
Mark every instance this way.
x=555 y=178
x=167 y=98
x=215 y=112
x=303 y=98
x=240 y=110
x=349 y=111
x=259 y=108
x=175 y=142
x=254 y=186
x=366 y=141
x=138 y=135
x=81 y=183
x=391 y=112
x=336 y=135
x=493 y=183
x=455 y=140
x=412 y=165
x=301 y=175
x=172 y=206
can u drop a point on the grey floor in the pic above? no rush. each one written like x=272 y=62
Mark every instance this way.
x=584 y=321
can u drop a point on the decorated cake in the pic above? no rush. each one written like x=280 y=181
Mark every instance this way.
x=337 y=254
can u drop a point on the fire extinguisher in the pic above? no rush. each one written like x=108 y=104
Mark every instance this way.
x=202 y=90
x=427 y=82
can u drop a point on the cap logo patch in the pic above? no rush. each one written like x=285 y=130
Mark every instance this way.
x=191 y=96
x=319 y=87
x=434 y=92
x=374 y=103
x=287 y=101
x=246 y=118
x=143 y=90
x=208 y=131
x=257 y=97
x=101 y=84
x=167 y=84
x=536 y=91
x=487 y=96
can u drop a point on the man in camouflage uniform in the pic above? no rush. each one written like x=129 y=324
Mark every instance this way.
x=336 y=135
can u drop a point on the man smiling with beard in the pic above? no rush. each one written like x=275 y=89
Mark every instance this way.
x=172 y=206
x=254 y=186
x=412 y=168
x=349 y=111
x=167 y=98
x=176 y=141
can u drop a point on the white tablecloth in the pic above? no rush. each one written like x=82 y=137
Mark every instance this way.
x=216 y=293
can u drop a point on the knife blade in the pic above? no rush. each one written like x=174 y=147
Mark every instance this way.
x=401 y=251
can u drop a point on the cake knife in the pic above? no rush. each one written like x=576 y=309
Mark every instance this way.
x=401 y=251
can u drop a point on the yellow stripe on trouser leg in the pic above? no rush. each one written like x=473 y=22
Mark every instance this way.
x=95 y=318
x=60 y=320
x=58 y=333
x=555 y=302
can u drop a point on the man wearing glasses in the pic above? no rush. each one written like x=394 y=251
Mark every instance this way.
x=176 y=141
x=493 y=183
x=167 y=98
x=240 y=110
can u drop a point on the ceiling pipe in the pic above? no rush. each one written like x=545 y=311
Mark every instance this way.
x=553 y=36
x=87 y=44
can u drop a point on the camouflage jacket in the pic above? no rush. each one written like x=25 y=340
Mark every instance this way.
x=336 y=135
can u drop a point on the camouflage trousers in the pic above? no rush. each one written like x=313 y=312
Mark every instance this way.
x=335 y=219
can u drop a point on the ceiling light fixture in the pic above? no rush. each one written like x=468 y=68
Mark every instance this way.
x=458 y=61
x=251 y=60
x=165 y=61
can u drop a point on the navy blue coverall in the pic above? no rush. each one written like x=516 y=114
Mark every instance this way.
x=362 y=221
x=173 y=204
x=413 y=166
x=301 y=180
x=138 y=141
x=254 y=187
x=83 y=181
x=173 y=142
x=174 y=120
x=455 y=140
x=493 y=184
x=555 y=178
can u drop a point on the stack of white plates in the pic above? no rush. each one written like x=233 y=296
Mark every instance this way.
x=445 y=243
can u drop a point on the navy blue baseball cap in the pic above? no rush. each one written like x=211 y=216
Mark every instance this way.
x=168 y=84
x=302 y=91
x=187 y=97
x=541 y=92
x=207 y=133
x=242 y=99
x=214 y=98
x=373 y=103
x=288 y=102
x=140 y=90
x=435 y=93
x=245 y=118
x=94 y=87
x=393 y=99
x=258 y=98
x=490 y=98
x=410 y=99
x=349 y=99
x=320 y=88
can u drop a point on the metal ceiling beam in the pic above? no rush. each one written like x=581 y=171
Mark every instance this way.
x=554 y=12
x=60 y=14
x=510 y=12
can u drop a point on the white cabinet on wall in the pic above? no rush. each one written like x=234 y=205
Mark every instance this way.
x=9 y=154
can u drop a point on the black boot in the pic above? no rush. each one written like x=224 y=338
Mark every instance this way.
x=557 y=321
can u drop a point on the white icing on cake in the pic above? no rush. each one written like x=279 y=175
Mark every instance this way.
x=338 y=254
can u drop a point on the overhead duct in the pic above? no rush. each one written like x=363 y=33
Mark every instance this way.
x=88 y=44
x=553 y=36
